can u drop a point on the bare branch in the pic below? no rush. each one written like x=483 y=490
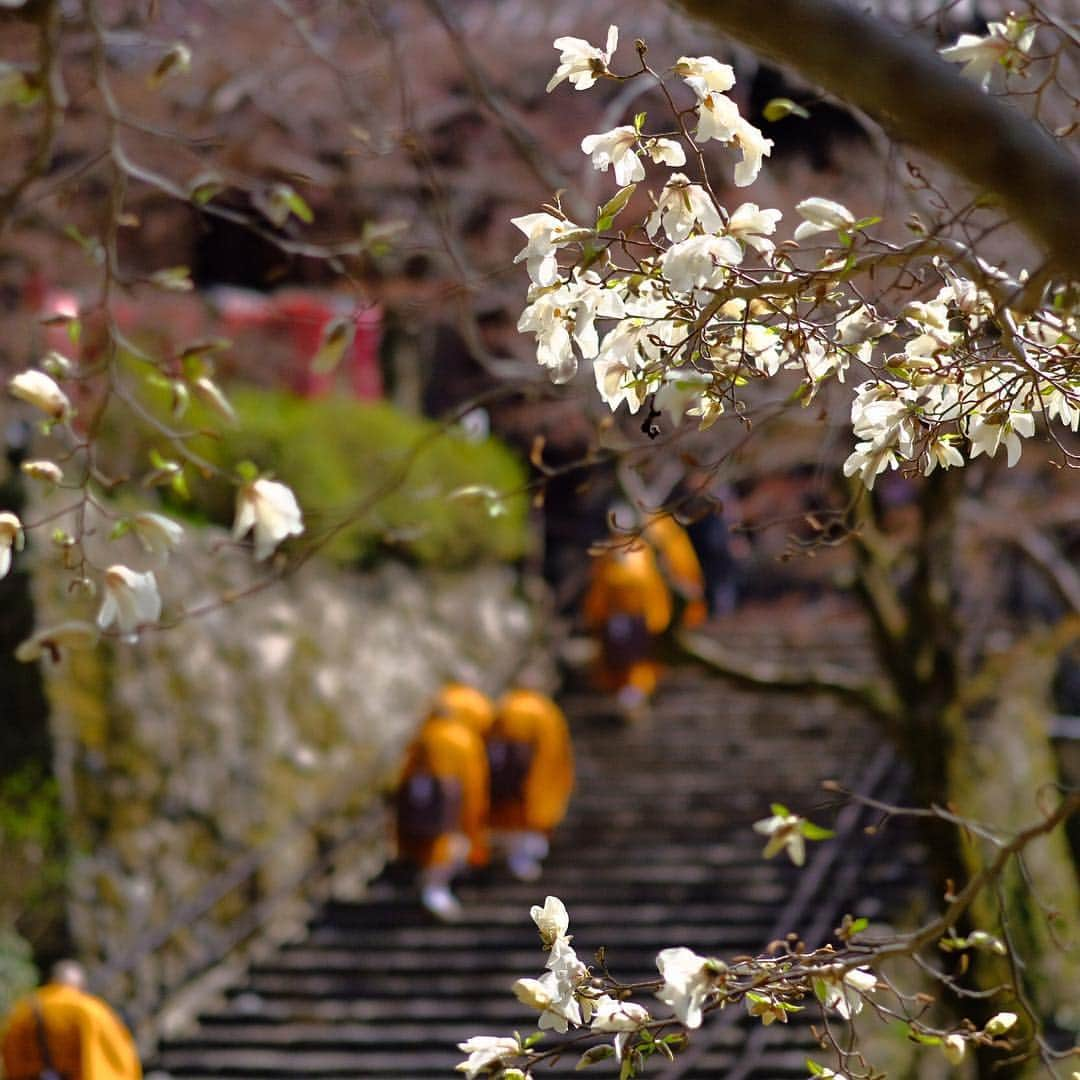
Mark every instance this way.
x=866 y=693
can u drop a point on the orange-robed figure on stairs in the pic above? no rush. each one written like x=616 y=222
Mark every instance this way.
x=78 y=1034
x=630 y=603
x=531 y=762
x=442 y=797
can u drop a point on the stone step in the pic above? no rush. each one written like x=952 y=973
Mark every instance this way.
x=657 y=850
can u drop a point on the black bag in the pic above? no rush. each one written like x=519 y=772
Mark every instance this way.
x=508 y=763
x=428 y=805
x=47 y=1073
x=626 y=640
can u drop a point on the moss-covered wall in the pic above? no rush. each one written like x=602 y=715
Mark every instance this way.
x=267 y=726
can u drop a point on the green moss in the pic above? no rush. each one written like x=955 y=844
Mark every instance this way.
x=371 y=479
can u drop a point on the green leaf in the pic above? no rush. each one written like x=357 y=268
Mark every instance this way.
x=283 y=200
x=815 y=832
x=247 y=471
x=639 y=122
x=593 y=1055
x=780 y=107
x=173 y=279
x=866 y=222
x=923 y=1040
x=121 y=528
x=858 y=925
x=779 y=810
x=532 y=1040
x=179 y=486
x=337 y=336
x=815 y=1068
x=205 y=186
x=610 y=210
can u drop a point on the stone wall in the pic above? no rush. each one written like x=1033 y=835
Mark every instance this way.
x=253 y=738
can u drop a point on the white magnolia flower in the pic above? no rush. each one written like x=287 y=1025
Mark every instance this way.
x=1005 y=44
x=562 y=316
x=131 y=600
x=700 y=261
x=12 y=538
x=590 y=299
x=861 y=324
x=869 y=460
x=612 y=1015
x=616 y=147
x=622 y=1017
x=270 y=509
x=550 y=318
x=754 y=147
x=718 y=118
x=954 y=1047
x=682 y=205
x=534 y=993
x=941 y=451
x=617 y=380
x=666 y=151
x=752 y=225
x=581 y=62
x=67 y=635
x=1061 y=407
x=562 y=982
x=545 y=234
x=551 y=920
x=753 y=342
x=158 y=534
x=821 y=361
x=688 y=981
x=783 y=831
x=932 y=313
x=48 y=471
x=1000 y=1023
x=41 y=391
x=705 y=74
x=679 y=389
x=822 y=215
x=881 y=413
x=486 y=1052
x=988 y=433
x=844 y=990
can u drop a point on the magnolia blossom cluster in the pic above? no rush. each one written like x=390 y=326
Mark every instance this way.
x=570 y=997
x=130 y=599
x=684 y=307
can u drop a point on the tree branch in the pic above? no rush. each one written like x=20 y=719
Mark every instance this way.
x=865 y=693
x=919 y=99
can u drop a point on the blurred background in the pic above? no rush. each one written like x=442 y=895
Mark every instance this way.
x=173 y=810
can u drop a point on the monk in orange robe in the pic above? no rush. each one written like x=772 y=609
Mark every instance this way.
x=627 y=606
x=63 y=1028
x=680 y=566
x=442 y=799
x=531 y=763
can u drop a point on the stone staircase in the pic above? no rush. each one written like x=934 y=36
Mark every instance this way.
x=657 y=851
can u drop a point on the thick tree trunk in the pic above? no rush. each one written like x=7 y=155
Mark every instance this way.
x=898 y=80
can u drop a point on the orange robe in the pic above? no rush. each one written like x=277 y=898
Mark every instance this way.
x=627 y=581
x=680 y=566
x=530 y=717
x=449 y=749
x=86 y=1039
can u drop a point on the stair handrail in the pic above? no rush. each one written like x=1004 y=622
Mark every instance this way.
x=139 y=1010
